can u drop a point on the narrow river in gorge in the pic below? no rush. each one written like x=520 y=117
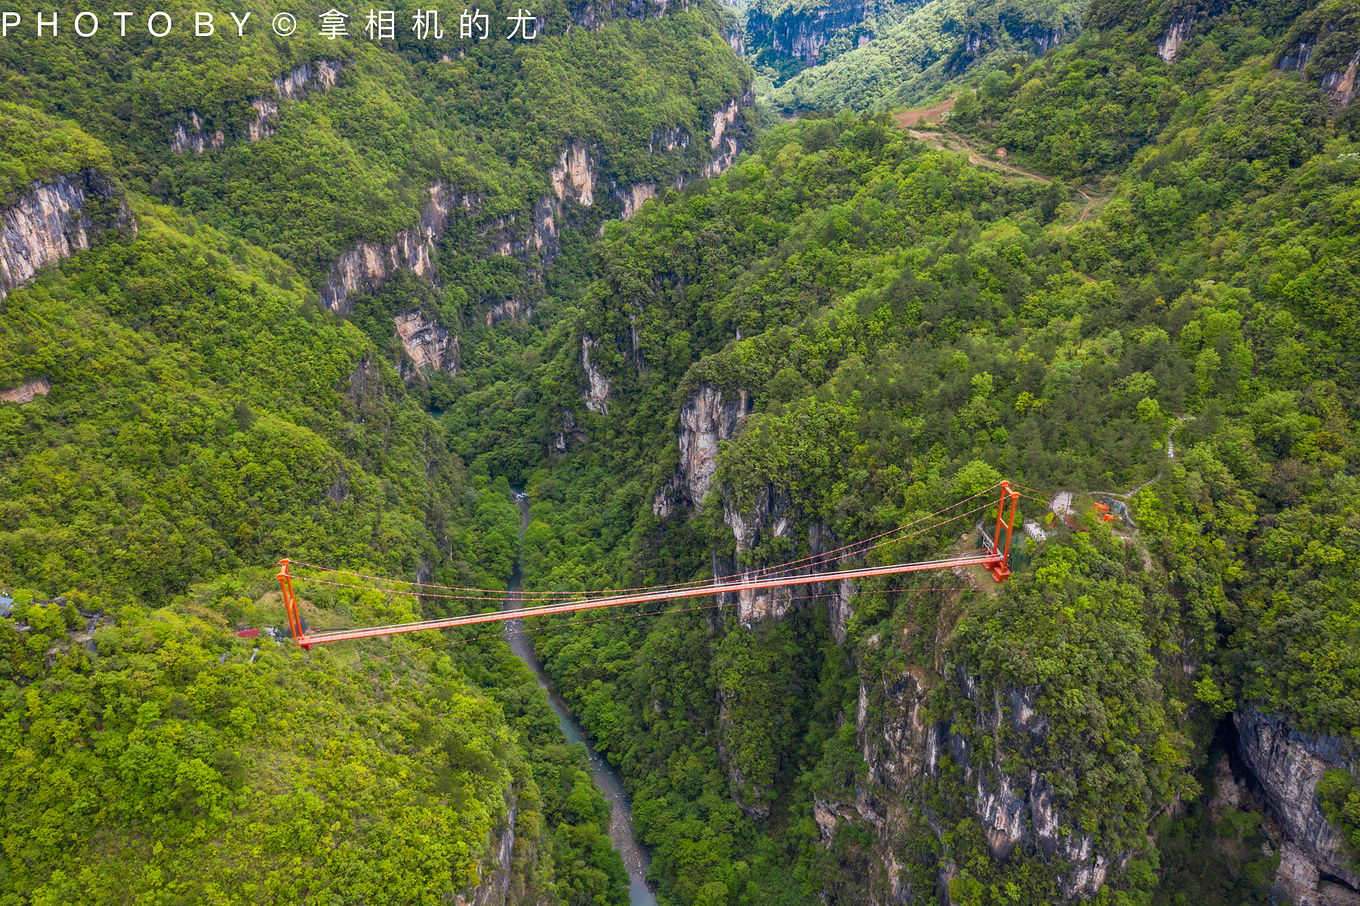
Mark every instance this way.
x=606 y=780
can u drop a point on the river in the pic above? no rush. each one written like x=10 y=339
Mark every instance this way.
x=606 y=780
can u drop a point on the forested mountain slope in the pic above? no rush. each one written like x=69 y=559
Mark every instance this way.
x=845 y=331
x=910 y=57
x=180 y=406
x=864 y=329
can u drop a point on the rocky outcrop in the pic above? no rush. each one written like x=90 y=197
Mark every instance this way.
x=1340 y=85
x=1016 y=810
x=573 y=179
x=322 y=75
x=54 y=220
x=667 y=140
x=974 y=42
x=1343 y=85
x=512 y=310
x=593 y=15
x=735 y=39
x=429 y=347
x=725 y=142
x=706 y=419
x=1286 y=767
x=196 y=140
x=495 y=872
x=370 y=263
x=633 y=198
x=769 y=514
x=26 y=392
x=802 y=33
x=1044 y=38
x=568 y=434
x=1297 y=60
x=516 y=870
x=596 y=393
x=1175 y=36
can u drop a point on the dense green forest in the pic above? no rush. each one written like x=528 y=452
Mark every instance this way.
x=1166 y=317
x=203 y=415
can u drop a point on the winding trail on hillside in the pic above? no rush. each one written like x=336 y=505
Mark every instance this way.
x=635 y=857
x=934 y=117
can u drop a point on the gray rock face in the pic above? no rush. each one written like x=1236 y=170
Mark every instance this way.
x=803 y=34
x=370 y=263
x=771 y=513
x=196 y=140
x=1296 y=61
x=1287 y=766
x=1017 y=810
x=50 y=222
x=705 y=420
x=1176 y=33
x=1044 y=38
x=323 y=75
x=596 y=393
x=512 y=310
x=569 y=434
x=1343 y=85
x=430 y=347
x=725 y=142
x=634 y=198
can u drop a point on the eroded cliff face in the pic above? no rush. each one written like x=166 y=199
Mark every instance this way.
x=593 y=15
x=1340 y=83
x=370 y=263
x=429 y=347
x=322 y=75
x=725 y=142
x=1175 y=36
x=707 y=418
x=634 y=198
x=193 y=137
x=1285 y=767
x=596 y=392
x=575 y=183
x=26 y=392
x=802 y=33
x=903 y=750
x=54 y=220
x=1343 y=85
x=518 y=868
x=573 y=179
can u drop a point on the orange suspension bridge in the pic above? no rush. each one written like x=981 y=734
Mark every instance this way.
x=994 y=558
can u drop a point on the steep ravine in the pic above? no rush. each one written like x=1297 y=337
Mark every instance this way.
x=635 y=858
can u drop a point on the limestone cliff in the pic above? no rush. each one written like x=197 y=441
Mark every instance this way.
x=1339 y=80
x=191 y=135
x=1285 y=768
x=596 y=392
x=634 y=198
x=801 y=32
x=370 y=263
x=705 y=419
x=1173 y=38
x=903 y=751
x=54 y=220
x=26 y=392
x=518 y=867
x=726 y=140
x=428 y=346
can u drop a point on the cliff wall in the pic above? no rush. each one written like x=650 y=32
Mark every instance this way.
x=54 y=220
